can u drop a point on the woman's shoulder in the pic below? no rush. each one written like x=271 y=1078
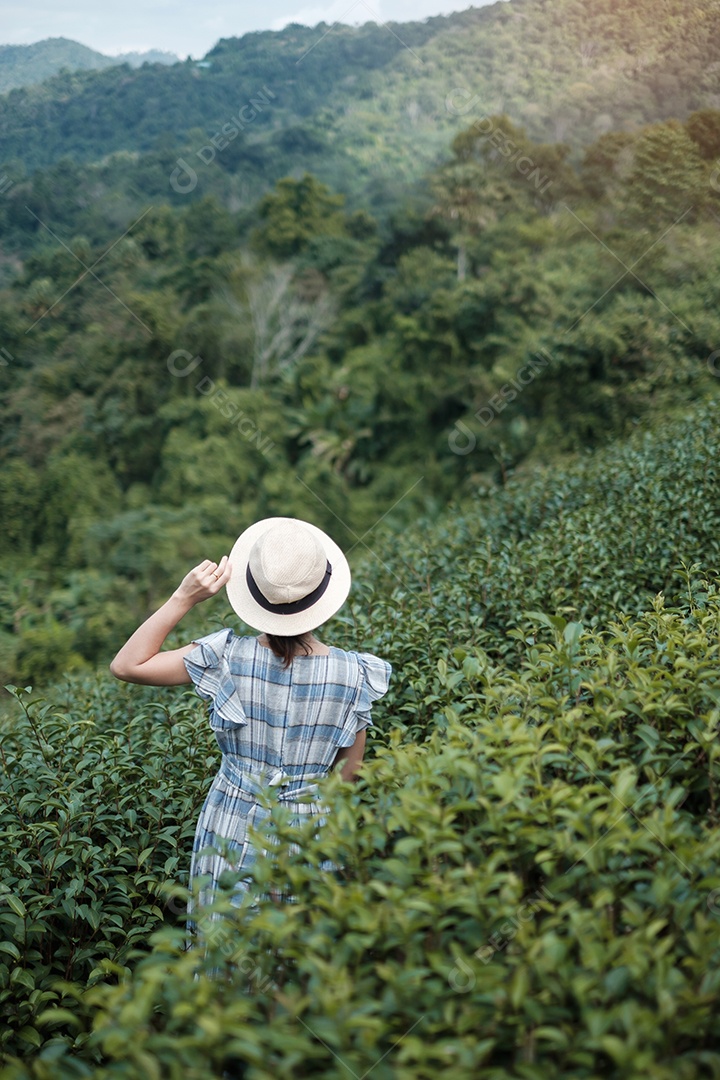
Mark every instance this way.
x=223 y=644
x=224 y=638
x=367 y=666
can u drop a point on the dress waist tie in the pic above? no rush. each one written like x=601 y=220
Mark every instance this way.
x=254 y=781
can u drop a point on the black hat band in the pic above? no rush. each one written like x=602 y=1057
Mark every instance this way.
x=294 y=606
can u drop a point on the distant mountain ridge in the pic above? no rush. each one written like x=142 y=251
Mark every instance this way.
x=367 y=109
x=28 y=65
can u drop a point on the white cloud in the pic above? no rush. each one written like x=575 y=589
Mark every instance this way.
x=351 y=13
x=118 y=50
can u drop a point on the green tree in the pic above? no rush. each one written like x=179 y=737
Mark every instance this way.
x=294 y=213
x=703 y=127
x=209 y=228
x=78 y=491
x=20 y=503
x=667 y=179
x=159 y=233
x=465 y=198
x=602 y=163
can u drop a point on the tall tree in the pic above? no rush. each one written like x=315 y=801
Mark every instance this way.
x=667 y=178
x=294 y=213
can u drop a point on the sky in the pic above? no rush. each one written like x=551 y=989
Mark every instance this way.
x=188 y=28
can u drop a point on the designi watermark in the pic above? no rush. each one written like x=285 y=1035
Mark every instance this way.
x=506 y=146
x=462 y=976
x=461 y=439
x=182 y=363
x=184 y=178
x=221 y=940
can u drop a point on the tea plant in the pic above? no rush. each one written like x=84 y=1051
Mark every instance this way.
x=526 y=877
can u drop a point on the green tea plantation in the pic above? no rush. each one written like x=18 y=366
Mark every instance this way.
x=526 y=878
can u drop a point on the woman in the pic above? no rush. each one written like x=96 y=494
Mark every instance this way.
x=284 y=707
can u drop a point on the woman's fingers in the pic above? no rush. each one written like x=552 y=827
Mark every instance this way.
x=219 y=574
x=209 y=576
x=222 y=574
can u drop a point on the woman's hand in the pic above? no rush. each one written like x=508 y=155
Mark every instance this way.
x=141 y=660
x=203 y=581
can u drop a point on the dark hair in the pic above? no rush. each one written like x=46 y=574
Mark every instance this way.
x=286 y=646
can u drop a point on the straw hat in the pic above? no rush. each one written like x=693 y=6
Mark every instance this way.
x=288 y=576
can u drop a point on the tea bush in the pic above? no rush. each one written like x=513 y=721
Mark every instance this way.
x=527 y=876
x=602 y=534
x=97 y=808
x=532 y=891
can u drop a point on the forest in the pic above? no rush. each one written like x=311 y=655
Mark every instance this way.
x=450 y=293
x=368 y=110
x=209 y=367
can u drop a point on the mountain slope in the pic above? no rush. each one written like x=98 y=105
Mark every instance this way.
x=386 y=99
x=28 y=65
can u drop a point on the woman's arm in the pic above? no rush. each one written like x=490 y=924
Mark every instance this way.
x=352 y=756
x=140 y=659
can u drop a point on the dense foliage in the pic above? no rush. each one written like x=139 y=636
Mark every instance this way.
x=315 y=361
x=527 y=875
x=368 y=108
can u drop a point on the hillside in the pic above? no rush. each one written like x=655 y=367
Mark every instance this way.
x=368 y=107
x=28 y=65
x=525 y=875
x=308 y=359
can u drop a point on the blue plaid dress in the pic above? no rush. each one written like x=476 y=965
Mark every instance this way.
x=277 y=728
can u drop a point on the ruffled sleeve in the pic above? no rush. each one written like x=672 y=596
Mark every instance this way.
x=209 y=668
x=373 y=684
